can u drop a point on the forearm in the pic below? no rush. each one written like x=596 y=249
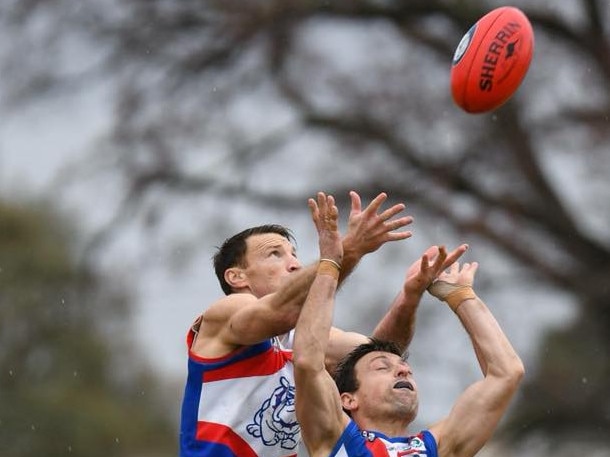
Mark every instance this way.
x=313 y=326
x=398 y=324
x=480 y=407
x=291 y=296
x=317 y=402
x=351 y=258
x=495 y=353
x=477 y=351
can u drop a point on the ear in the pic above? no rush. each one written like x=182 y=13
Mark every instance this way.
x=348 y=401
x=236 y=278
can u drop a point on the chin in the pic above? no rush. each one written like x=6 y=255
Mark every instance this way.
x=409 y=410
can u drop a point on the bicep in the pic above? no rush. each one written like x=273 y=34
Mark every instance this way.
x=473 y=419
x=340 y=344
x=256 y=320
x=318 y=409
x=242 y=319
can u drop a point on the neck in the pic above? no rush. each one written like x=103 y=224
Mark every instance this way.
x=389 y=427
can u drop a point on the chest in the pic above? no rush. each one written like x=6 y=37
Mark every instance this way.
x=413 y=447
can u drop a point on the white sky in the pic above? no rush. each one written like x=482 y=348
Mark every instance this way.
x=38 y=141
x=34 y=147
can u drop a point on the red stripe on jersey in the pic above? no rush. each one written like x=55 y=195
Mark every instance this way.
x=266 y=363
x=221 y=434
x=377 y=448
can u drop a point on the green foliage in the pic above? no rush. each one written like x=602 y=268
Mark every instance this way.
x=63 y=389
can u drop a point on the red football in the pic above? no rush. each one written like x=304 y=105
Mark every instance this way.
x=491 y=60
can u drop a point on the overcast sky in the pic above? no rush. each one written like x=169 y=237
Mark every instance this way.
x=38 y=143
x=40 y=140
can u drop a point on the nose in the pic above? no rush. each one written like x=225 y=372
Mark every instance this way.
x=403 y=370
x=294 y=264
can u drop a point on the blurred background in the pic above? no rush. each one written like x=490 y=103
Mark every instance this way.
x=136 y=135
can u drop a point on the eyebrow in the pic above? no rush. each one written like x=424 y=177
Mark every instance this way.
x=273 y=246
x=276 y=245
x=386 y=357
x=380 y=356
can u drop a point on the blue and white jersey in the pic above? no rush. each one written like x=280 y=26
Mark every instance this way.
x=240 y=405
x=359 y=443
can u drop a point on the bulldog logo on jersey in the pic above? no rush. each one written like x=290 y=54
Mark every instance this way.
x=275 y=422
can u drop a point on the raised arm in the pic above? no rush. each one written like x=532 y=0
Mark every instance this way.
x=241 y=319
x=249 y=320
x=398 y=324
x=477 y=411
x=318 y=405
x=368 y=229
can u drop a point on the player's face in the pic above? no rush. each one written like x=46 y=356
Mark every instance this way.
x=386 y=386
x=270 y=258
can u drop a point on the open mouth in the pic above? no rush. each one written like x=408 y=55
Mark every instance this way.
x=404 y=385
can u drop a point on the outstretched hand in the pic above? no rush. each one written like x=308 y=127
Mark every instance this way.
x=325 y=215
x=455 y=284
x=369 y=229
x=460 y=276
x=428 y=268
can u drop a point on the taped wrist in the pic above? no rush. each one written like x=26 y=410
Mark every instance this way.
x=329 y=267
x=457 y=297
x=453 y=294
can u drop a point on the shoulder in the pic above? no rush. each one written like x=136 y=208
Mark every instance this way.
x=225 y=307
x=210 y=339
x=216 y=316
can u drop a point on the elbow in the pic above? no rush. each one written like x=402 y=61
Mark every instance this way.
x=307 y=358
x=519 y=370
x=516 y=367
x=510 y=373
x=306 y=364
x=515 y=372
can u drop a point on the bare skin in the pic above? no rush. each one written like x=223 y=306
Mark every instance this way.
x=271 y=289
x=386 y=399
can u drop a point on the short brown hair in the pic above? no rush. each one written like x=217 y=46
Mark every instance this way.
x=345 y=374
x=233 y=251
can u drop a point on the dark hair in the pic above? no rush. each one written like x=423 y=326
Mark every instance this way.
x=345 y=374
x=233 y=251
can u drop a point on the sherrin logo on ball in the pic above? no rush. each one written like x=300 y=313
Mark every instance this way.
x=491 y=60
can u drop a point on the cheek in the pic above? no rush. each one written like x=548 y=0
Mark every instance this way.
x=267 y=271
x=373 y=386
x=279 y=274
x=271 y=267
x=272 y=278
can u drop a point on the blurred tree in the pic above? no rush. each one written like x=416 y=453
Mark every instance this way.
x=268 y=101
x=69 y=383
